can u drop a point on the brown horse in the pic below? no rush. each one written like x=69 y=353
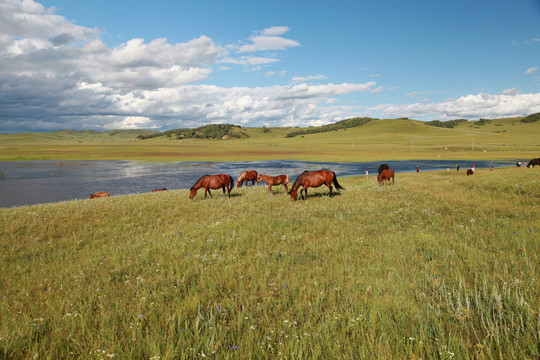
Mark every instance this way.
x=314 y=179
x=386 y=175
x=470 y=172
x=100 y=195
x=246 y=176
x=382 y=168
x=157 y=190
x=208 y=182
x=274 y=180
x=533 y=162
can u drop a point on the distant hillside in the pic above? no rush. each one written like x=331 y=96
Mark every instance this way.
x=212 y=131
x=343 y=124
x=446 y=124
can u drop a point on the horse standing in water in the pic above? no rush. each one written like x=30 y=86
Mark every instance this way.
x=314 y=179
x=386 y=175
x=274 y=180
x=246 y=176
x=208 y=182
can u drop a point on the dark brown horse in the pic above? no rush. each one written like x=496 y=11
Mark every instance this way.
x=470 y=172
x=382 y=168
x=246 y=176
x=100 y=195
x=208 y=182
x=386 y=175
x=158 y=190
x=533 y=162
x=314 y=179
x=274 y=180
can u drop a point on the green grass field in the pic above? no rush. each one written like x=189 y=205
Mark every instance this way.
x=440 y=265
x=382 y=140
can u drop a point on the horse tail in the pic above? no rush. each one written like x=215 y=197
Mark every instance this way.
x=231 y=183
x=336 y=184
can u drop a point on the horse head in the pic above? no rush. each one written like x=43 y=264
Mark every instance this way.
x=259 y=178
x=294 y=194
x=192 y=193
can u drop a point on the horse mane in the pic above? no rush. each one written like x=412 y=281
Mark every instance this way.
x=298 y=179
x=196 y=182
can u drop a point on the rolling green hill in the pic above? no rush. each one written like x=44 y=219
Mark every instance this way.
x=373 y=140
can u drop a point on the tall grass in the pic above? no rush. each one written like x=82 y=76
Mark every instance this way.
x=440 y=265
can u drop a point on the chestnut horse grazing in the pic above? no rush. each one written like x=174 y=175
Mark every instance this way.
x=156 y=190
x=314 y=179
x=386 y=175
x=274 y=180
x=208 y=182
x=246 y=176
x=470 y=172
x=100 y=195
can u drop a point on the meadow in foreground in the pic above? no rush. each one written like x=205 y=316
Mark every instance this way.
x=440 y=265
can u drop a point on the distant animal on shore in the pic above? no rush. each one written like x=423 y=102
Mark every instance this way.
x=314 y=179
x=470 y=172
x=385 y=176
x=274 y=180
x=157 y=190
x=100 y=195
x=246 y=176
x=382 y=168
x=533 y=162
x=208 y=182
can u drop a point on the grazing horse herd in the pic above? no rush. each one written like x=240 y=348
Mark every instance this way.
x=304 y=181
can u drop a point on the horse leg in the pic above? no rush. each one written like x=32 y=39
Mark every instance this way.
x=209 y=193
x=270 y=189
x=286 y=189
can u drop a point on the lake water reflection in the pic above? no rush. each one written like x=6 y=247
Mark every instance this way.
x=34 y=182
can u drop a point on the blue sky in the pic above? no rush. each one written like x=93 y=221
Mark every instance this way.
x=101 y=64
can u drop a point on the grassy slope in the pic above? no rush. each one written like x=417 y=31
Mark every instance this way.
x=377 y=140
x=440 y=265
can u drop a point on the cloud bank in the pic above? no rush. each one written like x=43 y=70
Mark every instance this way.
x=55 y=75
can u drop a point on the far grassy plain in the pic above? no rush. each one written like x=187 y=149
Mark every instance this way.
x=378 y=140
x=438 y=266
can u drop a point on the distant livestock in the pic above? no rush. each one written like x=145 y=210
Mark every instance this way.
x=385 y=176
x=100 y=195
x=157 y=190
x=533 y=162
x=470 y=172
x=246 y=176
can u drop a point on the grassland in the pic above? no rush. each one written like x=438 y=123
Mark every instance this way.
x=392 y=139
x=440 y=265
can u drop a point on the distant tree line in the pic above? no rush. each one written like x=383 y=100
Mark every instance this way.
x=531 y=118
x=213 y=131
x=343 y=124
x=445 y=124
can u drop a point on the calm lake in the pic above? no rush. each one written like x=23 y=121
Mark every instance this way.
x=44 y=181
